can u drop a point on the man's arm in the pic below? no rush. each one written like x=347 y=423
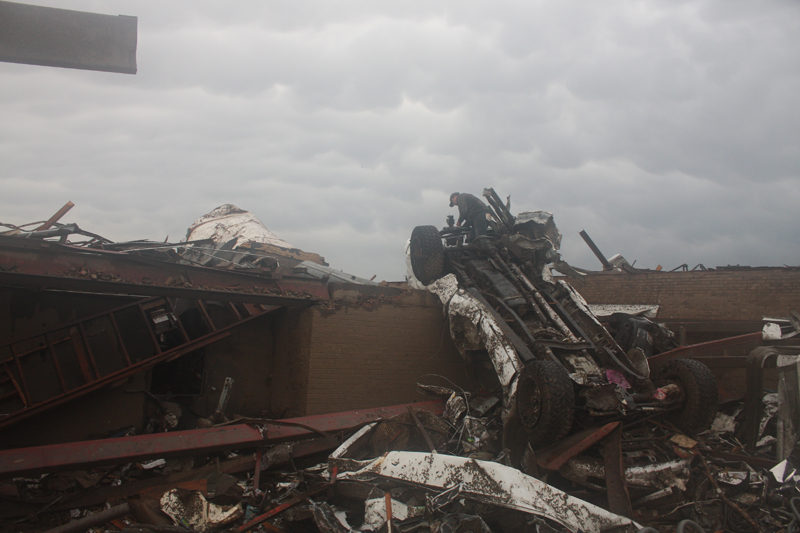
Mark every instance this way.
x=462 y=208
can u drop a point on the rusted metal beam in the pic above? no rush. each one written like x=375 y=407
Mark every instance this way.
x=56 y=217
x=732 y=327
x=331 y=423
x=422 y=430
x=723 y=362
x=755 y=462
x=36 y=281
x=99 y=495
x=132 y=363
x=743 y=344
x=619 y=501
x=131 y=370
x=77 y=455
x=555 y=456
x=28 y=461
x=53 y=259
x=596 y=251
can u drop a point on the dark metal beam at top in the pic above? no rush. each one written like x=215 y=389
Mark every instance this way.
x=36 y=35
x=45 y=258
x=36 y=281
x=596 y=251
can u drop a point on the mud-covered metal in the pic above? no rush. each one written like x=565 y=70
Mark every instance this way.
x=588 y=471
x=473 y=327
x=191 y=509
x=501 y=299
x=493 y=484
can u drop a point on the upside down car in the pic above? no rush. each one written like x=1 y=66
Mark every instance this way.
x=558 y=366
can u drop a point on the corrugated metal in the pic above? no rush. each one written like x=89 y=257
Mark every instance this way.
x=319 y=271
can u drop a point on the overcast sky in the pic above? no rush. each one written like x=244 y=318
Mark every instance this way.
x=668 y=130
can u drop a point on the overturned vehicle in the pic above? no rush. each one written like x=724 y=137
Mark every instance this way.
x=558 y=366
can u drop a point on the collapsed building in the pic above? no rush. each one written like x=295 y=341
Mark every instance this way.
x=132 y=372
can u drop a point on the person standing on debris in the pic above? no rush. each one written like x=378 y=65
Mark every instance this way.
x=472 y=211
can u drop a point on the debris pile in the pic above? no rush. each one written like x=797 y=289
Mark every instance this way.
x=564 y=429
x=422 y=471
x=227 y=238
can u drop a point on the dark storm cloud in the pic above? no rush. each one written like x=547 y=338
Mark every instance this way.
x=668 y=130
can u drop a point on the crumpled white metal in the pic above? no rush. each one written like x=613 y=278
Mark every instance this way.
x=494 y=484
x=228 y=222
x=473 y=327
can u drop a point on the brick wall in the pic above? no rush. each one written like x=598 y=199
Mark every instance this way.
x=701 y=295
x=373 y=354
x=287 y=382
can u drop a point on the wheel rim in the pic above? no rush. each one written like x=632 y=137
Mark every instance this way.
x=682 y=396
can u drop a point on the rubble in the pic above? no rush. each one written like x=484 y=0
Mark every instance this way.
x=383 y=472
x=461 y=463
x=237 y=239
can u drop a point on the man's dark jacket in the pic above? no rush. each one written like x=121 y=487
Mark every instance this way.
x=469 y=206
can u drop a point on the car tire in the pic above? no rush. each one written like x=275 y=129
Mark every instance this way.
x=545 y=402
x=699 y=394
x=427 y=254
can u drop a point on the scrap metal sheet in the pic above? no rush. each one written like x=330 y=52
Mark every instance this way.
x=494 y=484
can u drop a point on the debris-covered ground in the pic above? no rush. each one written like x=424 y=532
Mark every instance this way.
x=628 y=453
x=439 y=473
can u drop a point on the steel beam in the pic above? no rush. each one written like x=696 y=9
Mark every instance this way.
x=18 y=255
x=743 y=344
x=78 y=455
x=596 y=251
x=86 y=388
x=557 y=455
x=65 y=283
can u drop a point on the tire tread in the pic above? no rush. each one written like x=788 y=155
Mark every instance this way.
x=427 y=254
x=702 y=394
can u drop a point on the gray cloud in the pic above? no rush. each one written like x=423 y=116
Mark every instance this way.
x=668 y=130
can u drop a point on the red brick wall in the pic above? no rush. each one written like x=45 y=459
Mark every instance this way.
x=701 y=295
x=372 y=355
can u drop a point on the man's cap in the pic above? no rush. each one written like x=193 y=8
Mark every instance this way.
x=451 y=199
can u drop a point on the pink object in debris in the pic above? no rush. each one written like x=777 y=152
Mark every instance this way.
x=660 y=394
x=615 y=377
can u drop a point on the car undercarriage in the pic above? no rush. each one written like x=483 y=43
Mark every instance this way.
x=559 y=367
